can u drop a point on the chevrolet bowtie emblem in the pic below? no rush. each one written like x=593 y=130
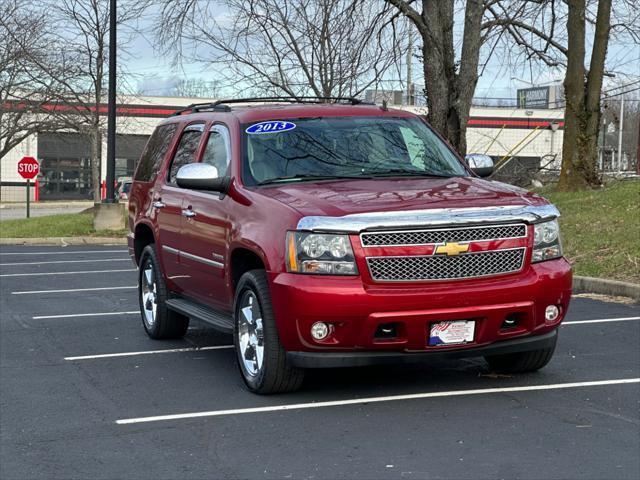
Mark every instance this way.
x=452 y=249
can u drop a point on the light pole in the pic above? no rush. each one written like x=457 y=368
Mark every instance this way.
x=109 y=214
x=620 y=128
x=111 y=115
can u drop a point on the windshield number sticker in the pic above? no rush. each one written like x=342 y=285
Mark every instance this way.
x=273 y=126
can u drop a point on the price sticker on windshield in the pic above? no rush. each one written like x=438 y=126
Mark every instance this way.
x=272 y=126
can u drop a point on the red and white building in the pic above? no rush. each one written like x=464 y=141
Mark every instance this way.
x=529 y=135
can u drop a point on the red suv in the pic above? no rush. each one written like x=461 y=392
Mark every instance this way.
x=337 y=233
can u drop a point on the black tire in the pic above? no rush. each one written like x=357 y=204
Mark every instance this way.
x=273 y=374
x=521 y=362
x=166 y=323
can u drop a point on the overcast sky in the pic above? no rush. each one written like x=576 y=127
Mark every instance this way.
x=152 y=73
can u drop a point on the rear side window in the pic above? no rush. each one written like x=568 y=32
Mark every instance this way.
x=154 y=152
x=185 y=153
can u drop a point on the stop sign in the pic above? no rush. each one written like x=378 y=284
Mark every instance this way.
x=28 y=168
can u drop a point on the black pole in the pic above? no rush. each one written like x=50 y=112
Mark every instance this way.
x=111 y=125
x=28 y=197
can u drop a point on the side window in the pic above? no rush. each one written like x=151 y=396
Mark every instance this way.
x=154 y=152
x=216 y=152
x=185 y=153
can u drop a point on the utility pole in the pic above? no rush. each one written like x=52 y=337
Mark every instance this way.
x=109 y=214
x=604 y=143
x=620 y=127
x=409 y=58
x=111 y=123
x=638 y=151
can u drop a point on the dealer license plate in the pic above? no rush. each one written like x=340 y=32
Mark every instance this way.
x=451 y=332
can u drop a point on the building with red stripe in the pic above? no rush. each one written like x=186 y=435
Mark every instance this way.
x=534 y=136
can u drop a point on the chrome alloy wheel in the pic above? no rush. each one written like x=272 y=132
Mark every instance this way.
x=148 y=294
x=250 y=334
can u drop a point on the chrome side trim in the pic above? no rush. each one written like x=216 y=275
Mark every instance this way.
x=206 y=261
x=195 y=258
x=171 y=250
x=358 y=222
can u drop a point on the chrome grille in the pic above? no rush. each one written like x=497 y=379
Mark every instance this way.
x=425 y=237
x=437 y=267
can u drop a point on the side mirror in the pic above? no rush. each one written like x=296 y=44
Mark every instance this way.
x=481 y=165
x=201 y=176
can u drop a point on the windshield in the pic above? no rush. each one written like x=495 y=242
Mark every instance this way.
x=344 y=147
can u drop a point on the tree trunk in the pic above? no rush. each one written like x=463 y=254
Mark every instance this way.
x=449 y=89
x=582 y=93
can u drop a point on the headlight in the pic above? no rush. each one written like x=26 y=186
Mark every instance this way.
x=320 y=253
x=546 y=241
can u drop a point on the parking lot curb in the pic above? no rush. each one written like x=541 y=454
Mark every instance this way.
x=604 y=286
x=57 y=241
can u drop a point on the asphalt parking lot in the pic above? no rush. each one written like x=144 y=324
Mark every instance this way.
x=84 y=393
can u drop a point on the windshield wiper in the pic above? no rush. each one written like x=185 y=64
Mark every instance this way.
x=310 y=177
x=393 y=172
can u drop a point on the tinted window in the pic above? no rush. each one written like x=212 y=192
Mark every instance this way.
x=185 y=152
x=347 y=147
x=154 y=152
x=215 y=152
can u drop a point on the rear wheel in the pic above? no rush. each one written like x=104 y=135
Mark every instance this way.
x=159 y=322
x=261 y=358
x=522 y=361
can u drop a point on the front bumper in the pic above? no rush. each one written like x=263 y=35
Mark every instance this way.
x=362 y=359
x=355 y=310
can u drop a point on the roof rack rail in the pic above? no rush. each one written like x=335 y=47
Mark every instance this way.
x=222 y=104
x=197 y=107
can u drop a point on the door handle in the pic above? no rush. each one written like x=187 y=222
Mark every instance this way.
x=158 y=204
x=187 y=212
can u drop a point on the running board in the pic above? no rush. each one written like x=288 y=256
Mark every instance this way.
x=222 y=322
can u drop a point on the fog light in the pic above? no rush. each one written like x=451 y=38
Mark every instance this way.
x=551 y=313
x=319 y=330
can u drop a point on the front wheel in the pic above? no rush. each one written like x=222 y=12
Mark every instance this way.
x=521 y=362
x=159 y=322
x=261 y=358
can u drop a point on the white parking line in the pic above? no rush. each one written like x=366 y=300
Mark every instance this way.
x=178 y=350
x=71 y=290
x=66 y=261
x=70 y=252
x=601 y=320
x=76 y=315
x=65 y=273
x=367 y=400
x=147 y=352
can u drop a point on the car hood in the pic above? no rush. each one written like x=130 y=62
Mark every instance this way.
x=344 y=197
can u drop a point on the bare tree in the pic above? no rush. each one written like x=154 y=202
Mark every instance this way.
x=582 y=91
x=449 y=82
x=83 y=27
x=31 y=61
x=558 y=33
x=292 y=47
